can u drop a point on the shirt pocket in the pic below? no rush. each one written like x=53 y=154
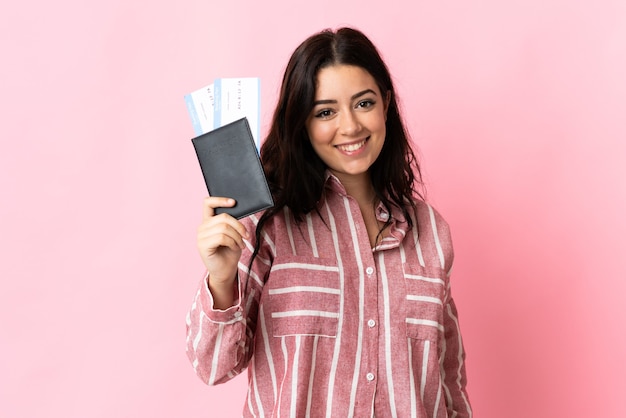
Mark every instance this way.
x=425 y=295
x=304 y=296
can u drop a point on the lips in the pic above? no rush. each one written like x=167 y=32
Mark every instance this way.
x=352 y=147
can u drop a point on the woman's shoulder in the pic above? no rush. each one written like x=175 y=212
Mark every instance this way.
x=426 y=211
x=433 y=227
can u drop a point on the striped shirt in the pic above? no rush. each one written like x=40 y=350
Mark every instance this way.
x=330 y=327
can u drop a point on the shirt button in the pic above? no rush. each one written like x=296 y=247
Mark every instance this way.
x=369 y=271
x=371 y=323
x=370 y=376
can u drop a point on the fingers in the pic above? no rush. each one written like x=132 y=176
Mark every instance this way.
x=220 y=239
x=228 y=229
x=210 y=203
x=222 y=231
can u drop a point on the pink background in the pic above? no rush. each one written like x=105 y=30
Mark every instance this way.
x=519 y=111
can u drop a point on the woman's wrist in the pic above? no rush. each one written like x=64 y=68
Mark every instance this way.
x=223 y=293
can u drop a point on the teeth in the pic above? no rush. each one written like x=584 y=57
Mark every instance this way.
x=352 y=147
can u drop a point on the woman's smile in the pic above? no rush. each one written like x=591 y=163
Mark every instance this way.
x=352 y=148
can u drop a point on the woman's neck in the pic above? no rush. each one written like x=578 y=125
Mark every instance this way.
x=359 y=187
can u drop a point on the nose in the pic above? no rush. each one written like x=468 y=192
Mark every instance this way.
x=349 y=123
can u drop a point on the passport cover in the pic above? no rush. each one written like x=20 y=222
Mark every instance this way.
x=231 y=167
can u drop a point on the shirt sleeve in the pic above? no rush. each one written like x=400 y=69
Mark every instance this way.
x=452 y=361
x=220 y=342
x=453 y=364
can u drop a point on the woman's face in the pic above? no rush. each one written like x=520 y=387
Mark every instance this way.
x=347 y=125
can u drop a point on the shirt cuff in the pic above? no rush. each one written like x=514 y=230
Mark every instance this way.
x=228 y=315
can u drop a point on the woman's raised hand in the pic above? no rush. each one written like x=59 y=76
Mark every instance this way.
x=220 y=241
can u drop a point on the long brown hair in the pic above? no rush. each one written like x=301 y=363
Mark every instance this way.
x=295 y=173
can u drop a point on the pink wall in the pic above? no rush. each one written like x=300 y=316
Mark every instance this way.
x=518 y=108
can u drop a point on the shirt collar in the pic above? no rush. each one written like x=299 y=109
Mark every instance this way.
x=333 y=183
x=398 y=226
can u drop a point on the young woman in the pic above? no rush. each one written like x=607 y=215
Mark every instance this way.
x=337 y=300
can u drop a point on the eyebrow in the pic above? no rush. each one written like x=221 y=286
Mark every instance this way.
x=354 y=96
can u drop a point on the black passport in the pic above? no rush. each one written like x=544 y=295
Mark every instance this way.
x=231 y=167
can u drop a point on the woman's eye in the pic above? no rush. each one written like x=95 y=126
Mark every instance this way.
x=326 y=113
x=365 y=104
